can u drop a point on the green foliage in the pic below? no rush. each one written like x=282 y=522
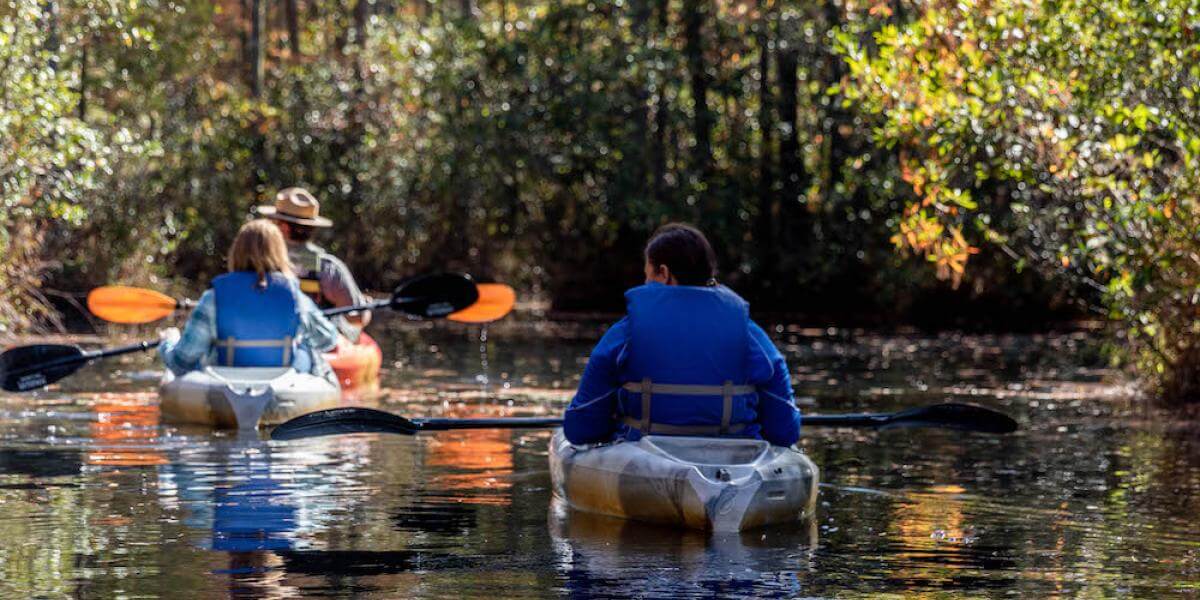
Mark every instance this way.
x=51 y=161
x=1067 y=133
x=537 y=142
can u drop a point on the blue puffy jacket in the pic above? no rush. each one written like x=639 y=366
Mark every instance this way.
x=693 y=357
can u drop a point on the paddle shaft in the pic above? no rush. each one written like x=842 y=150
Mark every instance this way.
x=849 y=420
x=495 y=423
x=152 y=344
x=377 y=305
x=85 y=356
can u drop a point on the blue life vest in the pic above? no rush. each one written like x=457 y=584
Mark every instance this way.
x=257 y=325
x=685 y=369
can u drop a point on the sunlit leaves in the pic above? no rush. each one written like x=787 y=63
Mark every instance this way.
x=1079 y=117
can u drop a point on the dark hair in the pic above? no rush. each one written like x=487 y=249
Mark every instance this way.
x=300 y=233
x=685 y=251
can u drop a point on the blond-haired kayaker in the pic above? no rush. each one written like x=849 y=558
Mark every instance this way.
x=253 y=316
x=323 y=277
x=686 y=360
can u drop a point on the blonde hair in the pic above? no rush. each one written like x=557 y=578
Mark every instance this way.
x=259 y=247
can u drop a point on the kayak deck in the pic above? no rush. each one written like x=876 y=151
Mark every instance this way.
x=714 y=484
x=244 y=397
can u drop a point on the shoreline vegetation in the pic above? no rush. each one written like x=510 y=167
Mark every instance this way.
x=995 y=165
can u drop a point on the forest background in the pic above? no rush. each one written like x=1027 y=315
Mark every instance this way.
x=983 y=164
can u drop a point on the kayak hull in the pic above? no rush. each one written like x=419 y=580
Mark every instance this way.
x=712 y=484
x=244 y=397
x=356 y=364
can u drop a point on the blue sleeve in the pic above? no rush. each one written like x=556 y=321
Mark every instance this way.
x=196 y=341
x=777 y=412
x=589 y=418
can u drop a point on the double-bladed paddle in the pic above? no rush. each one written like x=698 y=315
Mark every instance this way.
x=337 y=421
x=429 y=296
x=132 y=305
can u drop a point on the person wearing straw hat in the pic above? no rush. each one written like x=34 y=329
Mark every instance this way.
x=323 y=277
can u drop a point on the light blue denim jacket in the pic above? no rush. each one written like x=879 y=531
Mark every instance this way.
x=195 y=349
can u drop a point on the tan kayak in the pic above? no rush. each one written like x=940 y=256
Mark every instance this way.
x=244 y=397
x=700 y=483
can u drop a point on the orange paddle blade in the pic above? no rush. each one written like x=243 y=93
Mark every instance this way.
x=495 y=301
x=124 y=304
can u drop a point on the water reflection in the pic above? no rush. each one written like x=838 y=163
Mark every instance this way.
x=125 y=430
x=600 y=556
x=1097 y=496
x=475 y=466
x=256 y=501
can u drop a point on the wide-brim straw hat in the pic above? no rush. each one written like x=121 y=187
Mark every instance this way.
x=295 y=205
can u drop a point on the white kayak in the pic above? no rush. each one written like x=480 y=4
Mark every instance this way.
x=716 y=484
x=244 y=397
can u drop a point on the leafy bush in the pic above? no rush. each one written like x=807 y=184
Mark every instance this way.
x=1066 y=133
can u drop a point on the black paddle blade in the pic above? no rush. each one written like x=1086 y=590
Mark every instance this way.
x=436 y=295
x=338 y=421
x=30 y=367
x=953 y=415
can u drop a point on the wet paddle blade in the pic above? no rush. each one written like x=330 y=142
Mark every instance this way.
x=31 y=367
x=495 y=301
x=131 y=305
x=435 y=296
x=338 y=421
x=953 y=415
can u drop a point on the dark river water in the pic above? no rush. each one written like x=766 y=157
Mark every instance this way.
x=1096 y=496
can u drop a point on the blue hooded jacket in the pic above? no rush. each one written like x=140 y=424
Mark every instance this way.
x=700 y=342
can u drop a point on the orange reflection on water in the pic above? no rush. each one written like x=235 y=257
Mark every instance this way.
x=125 y=430
x=932 y=531
x=932 y=516
x=479 y=459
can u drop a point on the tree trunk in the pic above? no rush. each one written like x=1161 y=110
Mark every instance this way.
x=424 y=10
x=767 y=221
x=837 y=118
x=357 y=246
x=643 y=162
x=255 y=46
x=658 y=150
x=83 y=79
x=694 y=14
x=255 y=49
x=50 y=13
x=793 y=177
x=358 y=33
x=292 y=14
x=467 y=9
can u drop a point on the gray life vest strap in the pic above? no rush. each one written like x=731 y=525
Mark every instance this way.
x=231 y=344
x=647 y=389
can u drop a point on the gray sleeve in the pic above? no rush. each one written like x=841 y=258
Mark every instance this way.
x=337 y=284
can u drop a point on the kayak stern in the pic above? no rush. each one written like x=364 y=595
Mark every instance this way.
x=700 y=483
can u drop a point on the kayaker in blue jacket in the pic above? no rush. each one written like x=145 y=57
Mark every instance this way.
x=253 y=316
x=686 y=359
